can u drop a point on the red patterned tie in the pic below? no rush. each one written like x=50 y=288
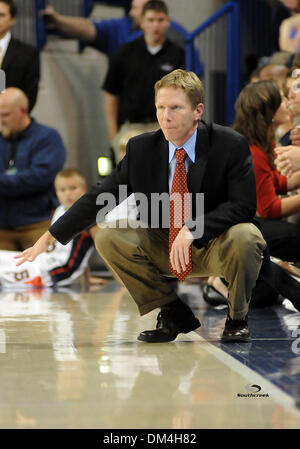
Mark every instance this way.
x=180 y=209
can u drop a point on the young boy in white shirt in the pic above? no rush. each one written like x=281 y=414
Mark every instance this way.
x=61 y=264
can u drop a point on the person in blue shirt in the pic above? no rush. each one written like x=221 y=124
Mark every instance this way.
x=108 y=35
x=31 y=154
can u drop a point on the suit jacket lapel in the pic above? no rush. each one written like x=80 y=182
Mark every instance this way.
x=161 y=165
x=197 y=169
x=9 y=55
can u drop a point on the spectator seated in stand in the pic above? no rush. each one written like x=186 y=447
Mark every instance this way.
x=288 y=147
x=31 y=154
x=259 y=108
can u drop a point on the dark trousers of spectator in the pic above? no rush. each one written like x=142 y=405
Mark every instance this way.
x=22 y=237
x=283 y=242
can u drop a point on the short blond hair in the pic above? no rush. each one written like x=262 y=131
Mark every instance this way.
x=70 y=173
x=186 y=81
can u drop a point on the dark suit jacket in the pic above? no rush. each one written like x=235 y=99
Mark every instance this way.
x=223 y=171
x=22 y=68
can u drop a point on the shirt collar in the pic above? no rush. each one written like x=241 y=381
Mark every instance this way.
x=21 y=134
x=5 y=41
x=189 y=147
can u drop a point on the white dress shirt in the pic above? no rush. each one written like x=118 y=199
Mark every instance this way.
x=4 y=44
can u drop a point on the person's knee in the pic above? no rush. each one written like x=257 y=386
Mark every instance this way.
x=246 y=239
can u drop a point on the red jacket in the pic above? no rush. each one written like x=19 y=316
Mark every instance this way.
x=269 y=183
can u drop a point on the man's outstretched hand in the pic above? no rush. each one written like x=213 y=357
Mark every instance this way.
x=30 y=254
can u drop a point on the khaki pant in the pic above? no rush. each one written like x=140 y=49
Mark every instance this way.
x=22 y=237
x=139 y=258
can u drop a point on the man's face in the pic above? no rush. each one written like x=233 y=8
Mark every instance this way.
x=136 y=11
x=282 y=114
x=11 y=118
x=293 y=6
x=6 y=21
x=176 y=116
x=155 y=24
x=69 y=190
x=294 y=98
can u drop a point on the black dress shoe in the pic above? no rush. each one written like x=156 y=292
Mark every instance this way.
x=213 y=297
x=170 y=323
x=236 y=330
